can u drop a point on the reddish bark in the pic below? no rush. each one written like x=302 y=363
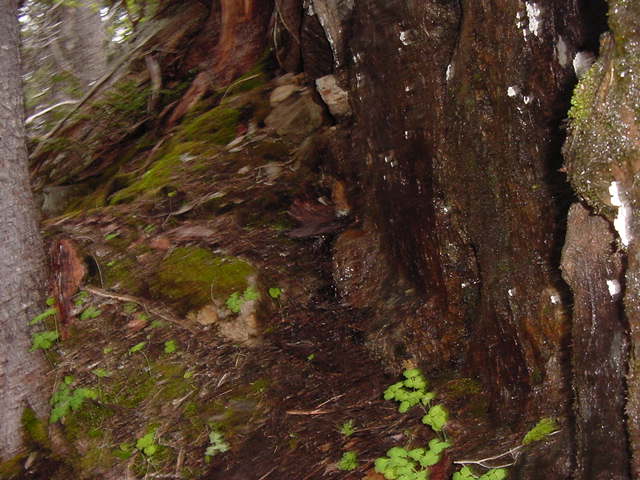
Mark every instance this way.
x=243 y=39
x=67 y=272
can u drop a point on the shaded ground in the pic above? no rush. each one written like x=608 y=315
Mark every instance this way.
x=186 y=221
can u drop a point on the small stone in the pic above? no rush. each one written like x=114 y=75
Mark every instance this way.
x=160 y=243
x=207 y=315
x=335 y=97
x=296 y=119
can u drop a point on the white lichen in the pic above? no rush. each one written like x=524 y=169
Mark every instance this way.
x=562 y=52
x=534 y=14
x=582 y=63
x=512 y=91
x=622 y=222
x=614 y=287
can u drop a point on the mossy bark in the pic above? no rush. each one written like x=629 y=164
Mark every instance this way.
x=603 y=160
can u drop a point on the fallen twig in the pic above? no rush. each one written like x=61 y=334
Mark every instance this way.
x=146 y=305
x=308 y=412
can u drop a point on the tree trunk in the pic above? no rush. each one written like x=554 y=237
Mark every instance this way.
x=593 y=269
x=83 y=41
x=22 y=267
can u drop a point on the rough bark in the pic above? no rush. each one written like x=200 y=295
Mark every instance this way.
x=457 y=108
x=593 y=269
x=22 y=260
x=603 y=160
x=242 y=40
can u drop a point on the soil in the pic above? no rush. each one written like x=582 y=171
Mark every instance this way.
x=279 y=384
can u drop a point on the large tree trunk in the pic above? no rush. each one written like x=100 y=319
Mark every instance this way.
x=457 y=111
x=21 y=257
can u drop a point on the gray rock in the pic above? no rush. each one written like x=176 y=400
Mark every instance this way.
x=296 y=117
x=280 y=94
x=335 y=97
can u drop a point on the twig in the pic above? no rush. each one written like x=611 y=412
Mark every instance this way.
x=513 y=452
x=482 y=462
x=294 y=35
x=155 y=73
x=330 y=400
x=267 y=474
x=238 y=82
x=128 y=298
x=48 y=109
x=309 y=412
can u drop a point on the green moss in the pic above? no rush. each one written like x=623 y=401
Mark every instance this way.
x=584 y=95
x=173 y=161
x=97 y=457
x=35 y=429
x=463 y=387
x=12 y=468
x=217 y=126
x=190 y=277
x=121 y=273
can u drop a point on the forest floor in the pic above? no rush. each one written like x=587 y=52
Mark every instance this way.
x=279 y=386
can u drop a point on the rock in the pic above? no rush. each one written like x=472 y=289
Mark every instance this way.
x=335 y=97
x=280 y=94
x=207 y=315
x=160 y=242
x=56 y=199
x=358 y=271
x=296 y=117
x=243 y=329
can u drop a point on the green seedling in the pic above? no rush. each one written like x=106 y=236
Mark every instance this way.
x=43 y=340
x=347 y=429
x=236 y=300
x=147 y=444
x=543 y=429
x=467 y=474
x=137 y=347
x=101 y=372
x=64 y=399
x=217 y=444
x=170 y=346
x=44 y=315
x=90 y=312
x=275 y=292
x=349 y=461
x=81 y=298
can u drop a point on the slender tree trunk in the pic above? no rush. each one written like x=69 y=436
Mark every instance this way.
x=22 y=267
x=84 y=42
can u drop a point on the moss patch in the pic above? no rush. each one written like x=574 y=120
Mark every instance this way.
x=172 y=162
x=35 y=429
x=190 y=277
x=120 y=274
x=217 y=126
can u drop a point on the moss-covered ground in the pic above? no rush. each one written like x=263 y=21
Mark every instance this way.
x=173 y=227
